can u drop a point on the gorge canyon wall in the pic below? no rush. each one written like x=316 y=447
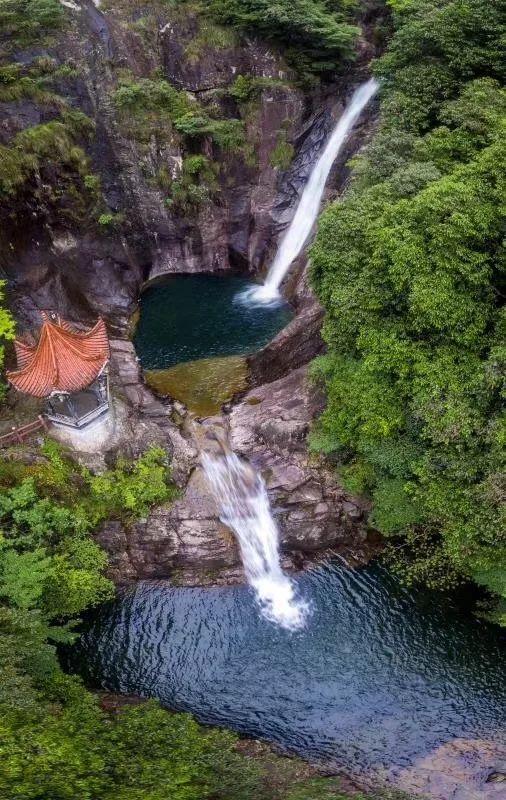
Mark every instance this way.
x=85 y=235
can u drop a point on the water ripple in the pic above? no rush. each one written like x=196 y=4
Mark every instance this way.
x=379 y=677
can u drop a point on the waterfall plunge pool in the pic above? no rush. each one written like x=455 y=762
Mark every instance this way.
x=190 y=317
x=379 y=677
x=193 y=335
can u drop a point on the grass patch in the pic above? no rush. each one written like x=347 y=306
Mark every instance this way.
x=284 y=151
x=210 y=37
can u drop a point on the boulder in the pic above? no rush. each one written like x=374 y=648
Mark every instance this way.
x=269 y=427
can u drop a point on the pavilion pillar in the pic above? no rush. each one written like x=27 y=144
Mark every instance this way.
x=73 y=412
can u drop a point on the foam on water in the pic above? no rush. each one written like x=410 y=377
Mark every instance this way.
x=260 y=296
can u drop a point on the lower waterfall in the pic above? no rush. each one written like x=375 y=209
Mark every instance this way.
x=244 y=507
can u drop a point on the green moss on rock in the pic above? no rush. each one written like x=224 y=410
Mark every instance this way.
x=203 y=385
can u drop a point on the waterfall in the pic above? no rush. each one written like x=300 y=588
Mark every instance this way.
x=307 y=210
x=244 y=507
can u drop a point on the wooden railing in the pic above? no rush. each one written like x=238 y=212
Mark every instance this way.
x=18 y=435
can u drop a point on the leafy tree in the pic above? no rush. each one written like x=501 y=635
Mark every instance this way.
x=316 y=35
x=6 y=330
x=411 y=270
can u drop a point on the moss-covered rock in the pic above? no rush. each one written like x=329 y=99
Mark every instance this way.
x=203 y=385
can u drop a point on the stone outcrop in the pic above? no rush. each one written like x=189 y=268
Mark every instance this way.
x=269 y=426
x=296 y=345
x=462 y=769
x=185 y=540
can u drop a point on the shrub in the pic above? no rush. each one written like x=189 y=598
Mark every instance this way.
x=317 y=38
x=196 y=185
x=106 y=220
x=92 y=183
x=131 y=488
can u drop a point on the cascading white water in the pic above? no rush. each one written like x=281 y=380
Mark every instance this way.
x=240 y=492
x=244 y=507
x=305 y=215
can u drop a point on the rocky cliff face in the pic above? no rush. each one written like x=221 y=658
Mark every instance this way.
x=67 y=245
x=185 y=539
x=194 y=150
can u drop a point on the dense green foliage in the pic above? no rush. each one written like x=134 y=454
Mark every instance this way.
x=155 y=101
x=6 y=328
x=130 y=489
x=316 y=34
x=69 y=748
x=47 y=511
x=54 y=739
x=411 y=270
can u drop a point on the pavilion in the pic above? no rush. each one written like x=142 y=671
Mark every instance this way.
x=67 y=367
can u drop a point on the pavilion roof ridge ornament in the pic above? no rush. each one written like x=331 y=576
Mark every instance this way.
x=64 y=359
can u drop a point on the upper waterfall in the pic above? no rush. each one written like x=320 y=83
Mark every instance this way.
x=309 y=205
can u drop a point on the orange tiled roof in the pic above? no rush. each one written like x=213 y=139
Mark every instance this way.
x=63 y=360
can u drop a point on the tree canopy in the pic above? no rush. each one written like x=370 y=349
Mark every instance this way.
x=318 y=36
x=411 y=269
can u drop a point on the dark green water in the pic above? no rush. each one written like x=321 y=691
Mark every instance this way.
x=188 y=317
x=379 y=677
